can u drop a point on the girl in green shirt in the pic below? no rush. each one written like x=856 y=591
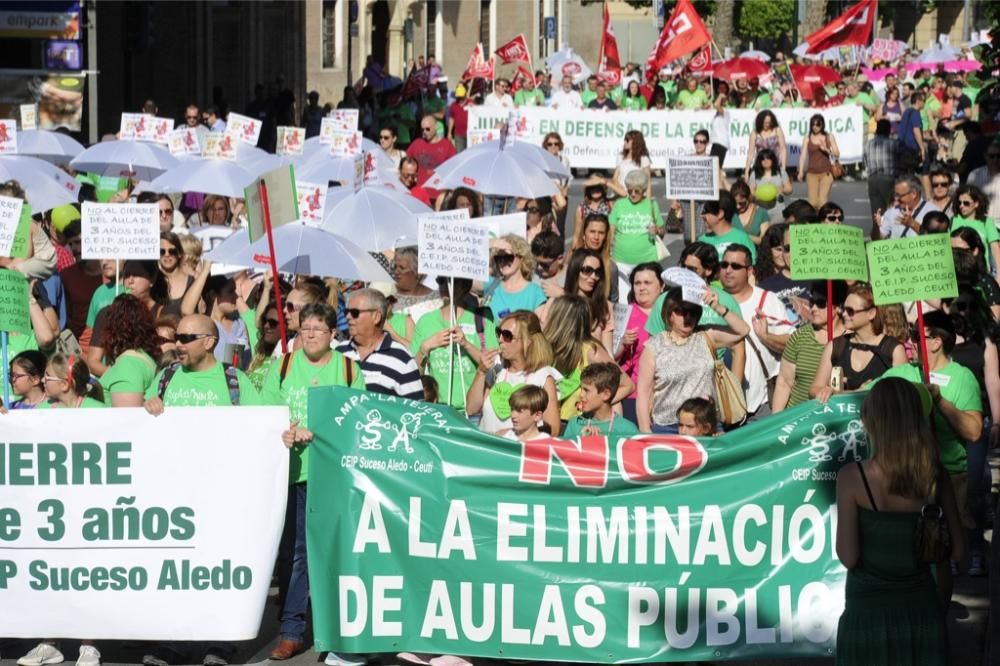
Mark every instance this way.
x=67 y=384
x=972 y=205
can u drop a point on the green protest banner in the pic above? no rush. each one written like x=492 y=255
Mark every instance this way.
x=19 y=248
x=282 y=201
x=427 y=535
x=14 y=317
x=917 y=268
x=828 y=252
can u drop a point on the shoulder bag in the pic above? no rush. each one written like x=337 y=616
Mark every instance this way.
x=732 y=402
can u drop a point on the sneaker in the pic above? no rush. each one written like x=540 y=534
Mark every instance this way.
x=89 y=656
x=422 y=659
x=154 y=660
x=977 y=567
x=344 y=659
x=213 y=659
x=42 y=654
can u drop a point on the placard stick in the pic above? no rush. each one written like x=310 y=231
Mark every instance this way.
x=451 y=336
x=691 y=223
x=829 y=310
x=275 y=276
x=118 y=281
x=6 y=369
x=923 y=342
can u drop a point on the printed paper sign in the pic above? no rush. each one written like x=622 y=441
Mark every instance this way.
x=371 y=171
x=184 y=141
x=359 y=171
x=452 y=245
x=132 y=126
x=502 y=225
x=219 y=146
x=621 y=313
x=29 y=116
x=161 y=129
x=693 y=178
x=10 y=217
x=475 y=137
x=918 y=268
x=174 y=549
x=312 y=202
x=8 y=137
x=243 y=128
x=14 y=316
x=22 y=237
x=291 y=140
x=693 y=288
x=120 y=231
x=345 y=119
x=345 y=144
x=828 y=252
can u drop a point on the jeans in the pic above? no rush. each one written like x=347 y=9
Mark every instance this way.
x=669 y=429
x=293 y=576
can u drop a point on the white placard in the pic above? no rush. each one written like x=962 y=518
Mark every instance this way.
x=10 y=216
x=132 y=126
x=621 y=313
x=120 y=231
x=184 y=141
x=345 y=144
x=359 y=171
x=219 y=146
x=8 y=136
x=291 y=140
x=312 y=202
x=161 y=129
x=451 y=245
x=344 y=119
x=692 y=178
x=243 y=128
x=502 y=225
x=371 y=170
x=478 y=136
x=29 y=116
x=190 y=567
x=693 y=288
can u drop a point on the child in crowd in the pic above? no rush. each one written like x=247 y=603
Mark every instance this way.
x=430 y=388
x=598 y=386
x=527 y=405
x=697 y=418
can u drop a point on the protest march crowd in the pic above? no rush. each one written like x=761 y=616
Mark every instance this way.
x=586 y=327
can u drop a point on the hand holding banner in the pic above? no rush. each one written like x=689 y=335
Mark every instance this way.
x=451 y=245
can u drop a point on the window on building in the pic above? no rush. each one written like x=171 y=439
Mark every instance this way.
x=484 y=24
x=329 y=34
x=430 y=29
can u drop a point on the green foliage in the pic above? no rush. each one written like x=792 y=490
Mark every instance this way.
x=766 y=19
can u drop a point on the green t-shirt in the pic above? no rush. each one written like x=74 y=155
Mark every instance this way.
x=931 y=105
x=132 y=372
x=760 y=217
x=804 y=351
x=205 y=388
x=709 y=317
x=763 y=101
x=731 y=237
x=529 y=97
x=616 y=94
x=985 y=228
x=632 y=243
x=249 y=318
x=691 y=100
x=637 y=103
x=294 y=392
x=19 y=342
x=619 y=425
x=438 y=360
x=88 y=403
x=102 y=298
x=587 y=96
x=959 y=387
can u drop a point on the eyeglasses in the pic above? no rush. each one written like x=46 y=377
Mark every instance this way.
x=169 y=251
x=552 y=144
x=14 y=376
x=190 y=117
x=314 y=331
x=728 y=264
x=851 y=312
x=833 y=217
x=636 y=190
x=820 y=303
x=503 y=259
x=533 y=210
x=505 y=334
x=426 y=130
x=293 y=307
x=354 y=313
x=965 y=202
x=53 y=378
x=385 y=137
x=941 y=184
x=186 y=338
x=273 y=323
x=590 y=270
x=700 y=141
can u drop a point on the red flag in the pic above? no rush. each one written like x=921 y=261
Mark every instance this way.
x=853 y=27
x=418 y=79
x=609 y=65
x=520 y=76
x=475 y=62
x=516 y=50
x=701 y=62
x=683 y=33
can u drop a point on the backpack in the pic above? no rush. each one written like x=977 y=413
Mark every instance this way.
x=232 y=381
x=286 y=360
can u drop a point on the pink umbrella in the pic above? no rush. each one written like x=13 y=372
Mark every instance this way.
x=962 y=66
x=878 y=74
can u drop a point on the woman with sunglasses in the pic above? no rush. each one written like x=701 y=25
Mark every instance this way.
x=830 y=213
x=647 y=285
x=540 y=217
x=818 y=153
x=801 y=357
x=26 y=375
x=973 y=206
x=177 y=281
x=941 y=194
x=862 y=354
x=593 y=234
x=387 y=142
x=586 y=277
x=524 y=358
x=636 y=224
x=131 y=349
x=511 y=288
x=304 y=293
x=267 y=342
x=767 y=133
x=560 y=202
x=634 y=157
x=595 y=202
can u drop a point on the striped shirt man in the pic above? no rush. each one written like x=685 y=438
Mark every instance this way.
x=389 y=369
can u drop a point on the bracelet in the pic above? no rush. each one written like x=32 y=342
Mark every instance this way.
x=725 y=313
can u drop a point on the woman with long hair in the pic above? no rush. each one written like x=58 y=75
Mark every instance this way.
x=586 y=277
x=553 y=143
x=891 y=109
x=970 y=269
x=463 y=197
x=633 y=99
x=973 y=208
x=892 y=613
x=647 y=285
x=595 y=202
x=594 y=235
x=176 y=281
x=132 y=350
x=819 y=152
x=749 y=217
x=767 y=171
x=830 y=213
x=767 y=133
x=68 y=386
x=771 y=258
x=862 y=354
x=568 y=329
x=267 y=343
x=144 y=282
x=511 y=288
x=634 y=157
x=539 y=217
x=524 y=358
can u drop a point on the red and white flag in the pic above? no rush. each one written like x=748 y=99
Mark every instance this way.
x=475 y=62
x=683 y=33
x=852 y=28
x=609 y=65
x=516 y=50
x=701 y=62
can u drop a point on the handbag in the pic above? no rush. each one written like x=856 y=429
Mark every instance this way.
x=731 y=400
x=837 y=169
x=661 y=248
x=931 y=536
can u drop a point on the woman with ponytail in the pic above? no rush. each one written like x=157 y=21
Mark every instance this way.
x=67 y=384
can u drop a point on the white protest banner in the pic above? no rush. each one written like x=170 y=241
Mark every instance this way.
x=29 y=116
x=184 y=141
x=312 y=200
x=345 y=144
x=593 y=139
x=345 y=119
x=219 y=146
x=621 y=313
x=243 y=128
x=8 y=137
x=120 y=231
x=291 y=140
x=10 y=216
x=451 y=245
x=132 y=518
x=692 y=178
x=502 y=225
x=132 y=125
x=693 y=288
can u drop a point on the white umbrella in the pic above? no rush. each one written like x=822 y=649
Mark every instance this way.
x=566 y=62
x=340 y=169
x=537 y=155
x=312 y=149
x=148 y=160
x=208 y=176
x=757 y=55
x=55 y=147
x=496 y=172
x=40 y=180
x=939 y=53
x=304 y=250
x=375 y=217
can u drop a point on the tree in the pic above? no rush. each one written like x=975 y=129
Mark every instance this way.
x=766 y=19
x=722 y=29
x=815 y=17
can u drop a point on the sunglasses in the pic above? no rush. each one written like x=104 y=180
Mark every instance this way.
x=354 y=313
x=736 y=267
x=834 y=218
x=273 y=323
x=590 y=270
x=503 y=259
x=171 y=251
x=385 y=137
x=185 y=338
x=533 y=210
x=941 y=184
x=700 y=141
x=552 y=144
x=293 y=307
x=965 y=202
x=167 y=213
x=850 y=312
x=427 y=130
x=820 y=303
x=190 y=117
x=636 y=190
x=505 y=334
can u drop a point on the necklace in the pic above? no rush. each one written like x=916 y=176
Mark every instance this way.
x=679 y=343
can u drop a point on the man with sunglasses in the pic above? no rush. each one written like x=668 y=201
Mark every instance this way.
x=499 y=98
x=903 y=220
x=408 y=176
x=387 y=365
x=430 y=150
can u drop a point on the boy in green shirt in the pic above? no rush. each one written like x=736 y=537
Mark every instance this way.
x=598 y=386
